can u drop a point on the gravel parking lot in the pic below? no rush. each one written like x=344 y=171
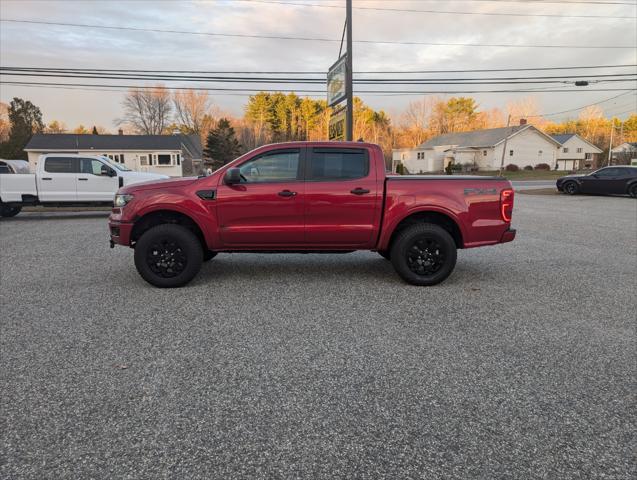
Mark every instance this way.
x=521 y=365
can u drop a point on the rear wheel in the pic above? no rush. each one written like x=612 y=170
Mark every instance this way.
x=9 y=210
x=168 y=256
x=424 y=254
x=632 y=190
x=570 y=188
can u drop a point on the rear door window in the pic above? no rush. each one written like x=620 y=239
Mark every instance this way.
x=333 y=164
x=61 y=165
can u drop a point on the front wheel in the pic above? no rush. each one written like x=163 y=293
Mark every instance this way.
x=9 y=210
x=168 y=256
x=632 y=190
x=570 y=188
x=424 y=254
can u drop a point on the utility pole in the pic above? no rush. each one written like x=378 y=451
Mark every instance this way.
x=504 y=147
x=610 y=144
x=349 y=119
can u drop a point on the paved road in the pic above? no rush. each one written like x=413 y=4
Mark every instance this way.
x=521 y=365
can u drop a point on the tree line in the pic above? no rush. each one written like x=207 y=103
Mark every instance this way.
x=278 y=117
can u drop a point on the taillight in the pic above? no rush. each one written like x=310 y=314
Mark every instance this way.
x=506 y=204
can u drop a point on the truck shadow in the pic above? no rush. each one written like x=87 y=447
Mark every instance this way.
x=317 y=268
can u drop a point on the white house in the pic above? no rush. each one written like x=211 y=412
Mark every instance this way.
x=481 y=149
x=173 y=155
x=626 y=153
x=575 y=153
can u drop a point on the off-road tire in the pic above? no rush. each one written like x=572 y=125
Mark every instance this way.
x=385 y=254
x=424 y=254
x=208 y=255
x=178 y=255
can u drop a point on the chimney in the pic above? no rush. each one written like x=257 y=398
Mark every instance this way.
x=120 y=132
x=522 y=121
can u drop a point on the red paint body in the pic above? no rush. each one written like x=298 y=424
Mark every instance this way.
x=321 y=215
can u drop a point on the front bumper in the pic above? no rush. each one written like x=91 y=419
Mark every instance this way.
x=508 y=235
x=120 y=232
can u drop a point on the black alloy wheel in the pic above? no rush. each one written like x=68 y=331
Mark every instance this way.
x=424 y=254
x=570 y=188
x=168 y=255
x=632 y=190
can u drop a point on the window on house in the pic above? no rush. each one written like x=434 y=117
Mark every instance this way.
x=580 y=150
x=565 y=150
x=164 y=159
x=539 y=152
x=178 y=158
x=588 y=156
x=484 y=153
x=143 y=159
x=510 y=153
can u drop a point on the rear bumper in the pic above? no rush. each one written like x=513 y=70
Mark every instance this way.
x=508 y=235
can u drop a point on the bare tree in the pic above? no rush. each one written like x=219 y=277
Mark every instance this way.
x=192 y=109
x=147 y=111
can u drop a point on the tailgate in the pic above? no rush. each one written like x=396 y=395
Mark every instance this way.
x=14 y=185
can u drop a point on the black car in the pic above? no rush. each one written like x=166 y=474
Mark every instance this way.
x=617 y=180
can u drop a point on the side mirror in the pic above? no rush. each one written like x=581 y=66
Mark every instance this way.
x=233 y=176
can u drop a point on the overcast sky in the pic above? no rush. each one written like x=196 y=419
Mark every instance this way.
x=37 y=45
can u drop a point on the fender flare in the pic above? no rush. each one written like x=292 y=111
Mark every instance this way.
x=391 y=228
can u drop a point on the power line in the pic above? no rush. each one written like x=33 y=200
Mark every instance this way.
x=312 y=39
x=388 y=81
x=393 y=92
x=322 y=72
x=582 y=107
x=442 y=12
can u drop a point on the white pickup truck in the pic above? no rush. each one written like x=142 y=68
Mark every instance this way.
x=67 y=179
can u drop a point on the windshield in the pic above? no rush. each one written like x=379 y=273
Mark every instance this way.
x=118 y=166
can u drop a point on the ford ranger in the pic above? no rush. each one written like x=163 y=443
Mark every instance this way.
x=310 y=197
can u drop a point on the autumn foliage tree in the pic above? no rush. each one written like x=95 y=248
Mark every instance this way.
x=147 y=111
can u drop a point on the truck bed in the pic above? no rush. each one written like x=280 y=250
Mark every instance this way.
x=14 y=185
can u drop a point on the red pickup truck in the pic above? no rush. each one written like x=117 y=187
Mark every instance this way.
x=310 y=197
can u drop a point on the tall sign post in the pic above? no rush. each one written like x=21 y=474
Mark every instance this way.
x=349 y=113
x=339 y=89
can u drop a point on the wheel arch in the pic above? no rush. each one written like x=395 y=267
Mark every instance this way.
x=162 y=216
x=433 y=216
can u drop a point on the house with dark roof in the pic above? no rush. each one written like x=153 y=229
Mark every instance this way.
x=481 y=150
x=625 y=154
x=575 y=153
x=174 y=155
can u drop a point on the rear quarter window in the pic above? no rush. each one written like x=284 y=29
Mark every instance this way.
x=60 y=165
x=327 y=164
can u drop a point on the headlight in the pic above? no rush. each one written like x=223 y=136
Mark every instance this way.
x=122 y=200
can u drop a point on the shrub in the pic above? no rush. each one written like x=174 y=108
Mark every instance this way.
x=512 y=168
x=456 y=167
x=542 y=166
x=528 y=167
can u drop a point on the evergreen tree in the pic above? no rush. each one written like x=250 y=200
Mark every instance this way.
x=222 y=145
x=95 y=132
x=25 y=119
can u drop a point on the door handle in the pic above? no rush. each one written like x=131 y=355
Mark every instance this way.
x=82 y=178
x=359 y=191
x=287 y=193
x=47 y=178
